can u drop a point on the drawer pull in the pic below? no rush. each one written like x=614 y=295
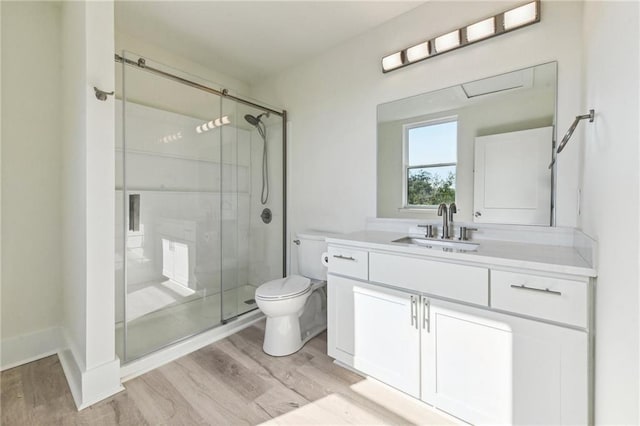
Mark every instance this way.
x=542 y=290
x=339 y=256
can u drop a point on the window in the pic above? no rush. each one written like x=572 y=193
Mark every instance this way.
x=430 y=163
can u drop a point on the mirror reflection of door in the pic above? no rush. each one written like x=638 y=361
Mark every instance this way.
x=512 y=181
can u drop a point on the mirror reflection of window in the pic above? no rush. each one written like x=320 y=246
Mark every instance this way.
x=430 y=162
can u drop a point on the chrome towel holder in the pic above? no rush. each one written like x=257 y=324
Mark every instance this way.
x=567 y=136
x=101 y=95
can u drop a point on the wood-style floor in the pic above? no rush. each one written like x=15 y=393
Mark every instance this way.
x=231 y=382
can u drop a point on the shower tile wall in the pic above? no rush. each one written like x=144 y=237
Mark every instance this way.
x=265 y=250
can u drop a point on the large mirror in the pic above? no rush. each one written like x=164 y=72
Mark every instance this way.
x=485 y=145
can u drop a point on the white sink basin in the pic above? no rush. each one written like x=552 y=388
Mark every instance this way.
x=433 y=243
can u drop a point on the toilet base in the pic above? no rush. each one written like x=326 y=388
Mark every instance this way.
x=282 y=335
x=287 y=334
x=273 y=344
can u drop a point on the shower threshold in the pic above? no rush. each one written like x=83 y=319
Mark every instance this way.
x=186 y=345
x=158 y=329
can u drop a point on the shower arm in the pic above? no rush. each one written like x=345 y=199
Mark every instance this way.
x=567 y=135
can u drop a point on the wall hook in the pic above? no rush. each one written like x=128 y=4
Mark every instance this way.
x=101 y=95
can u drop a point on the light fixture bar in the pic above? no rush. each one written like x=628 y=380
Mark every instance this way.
x=509 y=20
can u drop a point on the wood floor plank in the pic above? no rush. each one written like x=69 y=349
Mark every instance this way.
x=46 y=392
x=14 y=409
x=235 y=375
x=160 y=402
x=210 y=396
x=117 y=410
x=230 y=382
x=284 y=369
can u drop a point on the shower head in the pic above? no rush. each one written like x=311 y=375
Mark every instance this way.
x=254 y=121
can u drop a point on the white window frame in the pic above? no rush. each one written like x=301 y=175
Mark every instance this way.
x=405 y=159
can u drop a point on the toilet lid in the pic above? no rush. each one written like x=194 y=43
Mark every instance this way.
x=283 y=287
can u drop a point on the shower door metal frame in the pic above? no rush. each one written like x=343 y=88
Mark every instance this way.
x=224 y=93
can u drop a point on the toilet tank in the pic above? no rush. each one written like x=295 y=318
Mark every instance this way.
x=312 y=245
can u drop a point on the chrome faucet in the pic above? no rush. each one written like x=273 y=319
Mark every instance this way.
x=452 y=209
x=442 y=211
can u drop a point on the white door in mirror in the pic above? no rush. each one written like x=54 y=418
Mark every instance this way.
x=512 y=181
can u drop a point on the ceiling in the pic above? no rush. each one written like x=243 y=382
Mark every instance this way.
x=250 y=40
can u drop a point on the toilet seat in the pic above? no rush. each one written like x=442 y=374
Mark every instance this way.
x=284 y=288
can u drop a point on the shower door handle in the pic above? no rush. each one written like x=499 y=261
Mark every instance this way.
x=134 y=212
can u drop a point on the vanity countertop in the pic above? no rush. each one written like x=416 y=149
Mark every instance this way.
x=535 y=257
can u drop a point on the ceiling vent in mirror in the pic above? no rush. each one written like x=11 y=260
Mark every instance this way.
x=522 y=79
x=483 y=29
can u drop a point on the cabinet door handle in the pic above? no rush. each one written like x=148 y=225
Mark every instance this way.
x=413 y=311
x=426 y=314
x=542 y=290
x=339 y=256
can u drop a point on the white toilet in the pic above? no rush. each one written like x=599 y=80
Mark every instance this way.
x=296 y=306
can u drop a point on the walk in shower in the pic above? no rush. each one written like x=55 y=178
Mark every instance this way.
x=199 y=204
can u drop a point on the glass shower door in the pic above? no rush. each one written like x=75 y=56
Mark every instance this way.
x=199 y=206
x=170 y=201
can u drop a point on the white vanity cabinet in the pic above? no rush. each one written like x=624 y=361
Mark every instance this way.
x=489 y=368
x=486 y=345
x=387 y=336
x=340 y=330
x=343 y=262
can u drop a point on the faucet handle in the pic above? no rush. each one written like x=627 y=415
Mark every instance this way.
x=428 y=232
x=463 y=232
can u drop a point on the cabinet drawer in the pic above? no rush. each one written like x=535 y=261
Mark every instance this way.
x=349 y=262
x=460 y=282
x=552 y=299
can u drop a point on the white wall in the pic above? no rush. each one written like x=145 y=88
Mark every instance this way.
x=332 y=102
x=31 y=173
x=610 y=211
x=131 y=44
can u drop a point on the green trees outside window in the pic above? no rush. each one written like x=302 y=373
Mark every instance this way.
x=426 y=188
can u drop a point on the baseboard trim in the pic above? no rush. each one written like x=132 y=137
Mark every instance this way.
x=30 y=347
x=185 y=347
x=93 y=385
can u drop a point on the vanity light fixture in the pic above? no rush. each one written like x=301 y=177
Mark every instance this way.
x=520 y=16
x=418 y=52
x=448 y=41
x=484 y=29
x=392 y=62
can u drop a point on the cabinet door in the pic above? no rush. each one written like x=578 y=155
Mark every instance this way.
x=467 y=366
x=340 y=318
x=387 y=336
x=490 y=368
